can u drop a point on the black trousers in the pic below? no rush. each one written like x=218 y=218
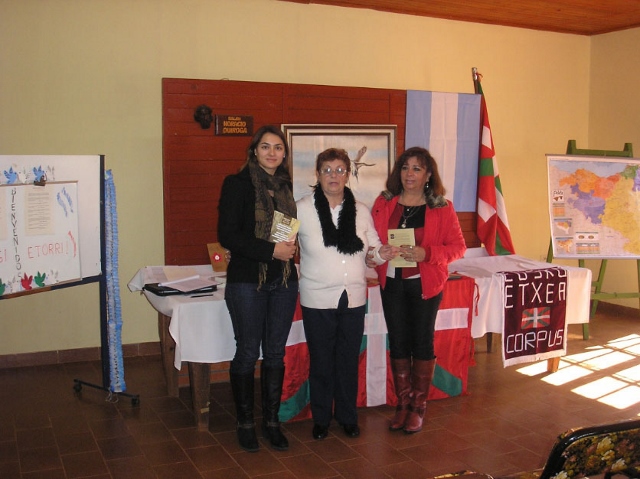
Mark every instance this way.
x=411 y=320
x=334 y=337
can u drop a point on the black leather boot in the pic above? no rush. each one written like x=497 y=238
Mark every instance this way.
x=271 y=381
x=242 y=387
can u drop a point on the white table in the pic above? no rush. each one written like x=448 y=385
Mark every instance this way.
x=201 y=326
x=198 y=330
x=196 y=341
x=483 y=268
x=490 y=317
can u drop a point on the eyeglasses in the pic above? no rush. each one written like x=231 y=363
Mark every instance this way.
x=340 y=171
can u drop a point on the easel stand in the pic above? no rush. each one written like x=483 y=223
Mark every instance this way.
x=597 y=286
x=597 y=294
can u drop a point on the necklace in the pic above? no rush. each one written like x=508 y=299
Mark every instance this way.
x=408 y=212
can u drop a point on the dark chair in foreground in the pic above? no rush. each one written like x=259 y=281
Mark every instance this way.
x=608 y=450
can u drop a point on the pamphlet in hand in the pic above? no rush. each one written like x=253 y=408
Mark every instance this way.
x=283 y=228
x=402 y=237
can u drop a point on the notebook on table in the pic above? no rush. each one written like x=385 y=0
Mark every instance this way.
x=158 y=290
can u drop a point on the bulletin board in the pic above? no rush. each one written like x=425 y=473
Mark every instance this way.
x=50 y=221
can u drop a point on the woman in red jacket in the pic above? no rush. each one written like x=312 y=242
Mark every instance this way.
x=411 y=295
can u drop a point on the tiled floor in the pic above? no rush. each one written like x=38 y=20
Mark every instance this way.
x=507 y=423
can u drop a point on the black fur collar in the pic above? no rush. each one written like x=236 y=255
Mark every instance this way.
x=344 y=237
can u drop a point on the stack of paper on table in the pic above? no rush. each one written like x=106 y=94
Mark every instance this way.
x=182 y=279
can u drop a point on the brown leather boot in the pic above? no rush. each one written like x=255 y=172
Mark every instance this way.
x=402 y=379
x=421 y=376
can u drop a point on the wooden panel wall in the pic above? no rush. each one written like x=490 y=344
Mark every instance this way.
x=195 y=161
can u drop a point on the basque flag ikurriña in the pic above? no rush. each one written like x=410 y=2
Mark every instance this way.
x=492 y=227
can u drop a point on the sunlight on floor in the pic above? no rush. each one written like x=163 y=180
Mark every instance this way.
x=534 y=369
x=631 y=374
x=627 y=342
x=593 y=352
x=600 y=387
x=623 y=398
x=613 y=358
x=619 y=390
x=566 y=375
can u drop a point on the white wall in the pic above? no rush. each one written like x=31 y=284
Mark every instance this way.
x=614 y=119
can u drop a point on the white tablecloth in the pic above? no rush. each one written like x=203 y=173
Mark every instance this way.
x=201 y=326
x=482 y=268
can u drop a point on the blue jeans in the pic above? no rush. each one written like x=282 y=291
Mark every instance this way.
x=260 y=319
x=411 y=320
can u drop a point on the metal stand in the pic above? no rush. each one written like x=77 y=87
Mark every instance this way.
x=78 y=383
x=104 y=333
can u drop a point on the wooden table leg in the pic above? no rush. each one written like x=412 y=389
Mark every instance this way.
x=553 y=364
x=199 y=383
x=489 y=342
x=168 y=351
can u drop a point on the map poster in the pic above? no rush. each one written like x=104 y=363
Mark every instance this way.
x=594 y=206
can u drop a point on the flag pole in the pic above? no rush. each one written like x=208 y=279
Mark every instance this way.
x=474 y=74
x=492 y=226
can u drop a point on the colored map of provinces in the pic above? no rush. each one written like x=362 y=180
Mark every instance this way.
x=603 y=198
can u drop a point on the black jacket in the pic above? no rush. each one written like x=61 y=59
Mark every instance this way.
x=236 y=232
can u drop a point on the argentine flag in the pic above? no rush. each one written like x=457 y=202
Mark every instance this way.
x=448 y=125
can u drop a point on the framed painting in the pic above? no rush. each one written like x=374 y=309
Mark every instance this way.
x=371 y=149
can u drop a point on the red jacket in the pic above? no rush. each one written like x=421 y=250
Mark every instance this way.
x=442 y=239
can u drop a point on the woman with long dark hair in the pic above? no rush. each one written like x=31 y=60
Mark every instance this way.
x=411 y=295
x=262 y=281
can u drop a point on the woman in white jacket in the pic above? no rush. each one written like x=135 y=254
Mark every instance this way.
x=336 y=233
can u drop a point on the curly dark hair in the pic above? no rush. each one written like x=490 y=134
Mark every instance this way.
x=433 y=187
